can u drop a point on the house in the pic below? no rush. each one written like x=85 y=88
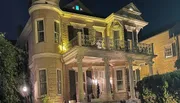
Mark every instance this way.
x=166 y=47
x=74 y=55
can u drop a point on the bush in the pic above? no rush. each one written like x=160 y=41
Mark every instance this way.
x=163 y=88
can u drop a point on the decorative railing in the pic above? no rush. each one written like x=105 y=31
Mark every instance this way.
x=110 y=44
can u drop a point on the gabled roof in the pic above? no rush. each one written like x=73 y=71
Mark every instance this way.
x=130 y=11
x=69 y=6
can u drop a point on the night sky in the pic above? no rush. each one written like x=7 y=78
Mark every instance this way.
x=158 y=13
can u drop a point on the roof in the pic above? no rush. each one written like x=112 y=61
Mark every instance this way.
x=158 y=31
x=130 y=11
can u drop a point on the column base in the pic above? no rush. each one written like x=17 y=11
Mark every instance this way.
x=106 y=97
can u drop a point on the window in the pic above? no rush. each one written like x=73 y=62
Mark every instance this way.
x=119 y=77
x=43 y=83
x=40 y=30
x=59 y=81
x=77 y=7
x=56 y=32
x=168 y=51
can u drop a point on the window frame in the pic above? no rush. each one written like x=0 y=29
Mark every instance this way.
x=60 y=81
x=36 y=30
x=123 y=79
x=58 y=22
x=39 y=91
x=169 y=46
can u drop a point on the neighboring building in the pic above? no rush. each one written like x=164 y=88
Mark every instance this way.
x=74 y=55
x=166 y=47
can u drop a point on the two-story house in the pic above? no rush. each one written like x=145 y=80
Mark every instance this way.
x=74 y=55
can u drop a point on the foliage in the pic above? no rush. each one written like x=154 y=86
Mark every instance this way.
x=177 y=64
x=163 y=88
x=11 y=68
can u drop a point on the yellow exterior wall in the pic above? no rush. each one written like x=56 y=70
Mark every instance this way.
x=161 y=64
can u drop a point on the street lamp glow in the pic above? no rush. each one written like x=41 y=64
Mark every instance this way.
x=25 y=89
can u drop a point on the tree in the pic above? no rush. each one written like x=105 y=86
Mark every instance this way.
x=11 y=68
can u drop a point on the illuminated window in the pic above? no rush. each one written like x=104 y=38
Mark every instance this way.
x=168 y=51
x=40 y=30
x=42 y=81
x=77 y=7
x=119 y=79
x=59 y=81
x=56 y=32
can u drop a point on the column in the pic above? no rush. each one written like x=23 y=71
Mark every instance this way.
x=131 y=78
x=107 y=89
x=80 y=79
x=150 y=64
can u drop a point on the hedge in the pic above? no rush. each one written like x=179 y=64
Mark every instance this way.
x=163 y=88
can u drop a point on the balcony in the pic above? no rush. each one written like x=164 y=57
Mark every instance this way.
x=107 y=44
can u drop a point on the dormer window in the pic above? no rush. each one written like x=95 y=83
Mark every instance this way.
x=77 y=7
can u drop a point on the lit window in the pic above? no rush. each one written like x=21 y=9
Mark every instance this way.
x=136 y=76
x=43 y=83
x=119 y=77
x=59 y=81
x=168 y=51
x=77 y=7
x=56 y=32
x=40 y=30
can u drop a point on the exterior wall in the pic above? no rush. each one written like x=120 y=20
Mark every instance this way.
x=161 y=63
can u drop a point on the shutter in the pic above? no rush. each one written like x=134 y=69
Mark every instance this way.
x=174 y=49
x=86 y=31
x=70 y=32
x=138 y=74
x=127 y=74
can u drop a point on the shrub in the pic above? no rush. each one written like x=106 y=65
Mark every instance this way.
x=163 y=88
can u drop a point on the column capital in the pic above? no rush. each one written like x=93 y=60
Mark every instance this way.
x=79 y=58
x=106 y=59
x=149 y=62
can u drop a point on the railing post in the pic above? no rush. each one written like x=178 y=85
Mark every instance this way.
x=79 y=39
x=152 y=47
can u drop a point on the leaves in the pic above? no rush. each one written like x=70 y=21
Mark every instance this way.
x=10 y=68
x=163 y=88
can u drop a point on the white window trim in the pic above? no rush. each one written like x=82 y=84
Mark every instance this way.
x=61 y=81
x=56 y=32
x=124 y=82
x=36 y=30
x=166 y=46
x=39 y=81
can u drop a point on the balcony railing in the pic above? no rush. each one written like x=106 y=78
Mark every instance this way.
x=109 y=44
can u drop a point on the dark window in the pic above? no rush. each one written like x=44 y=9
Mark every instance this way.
x=43 y=83
x=56 y=32
x=119 y=77
x=40 y=30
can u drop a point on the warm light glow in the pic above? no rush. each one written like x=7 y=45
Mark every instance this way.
x=111 y=80
x=25 y=89
x=130 y=9
x=62 y=48
x=95 y=81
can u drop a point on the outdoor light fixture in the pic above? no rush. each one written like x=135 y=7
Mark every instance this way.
x=25 y=89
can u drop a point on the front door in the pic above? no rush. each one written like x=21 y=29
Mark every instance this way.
x=89 y=85
x=72 y=85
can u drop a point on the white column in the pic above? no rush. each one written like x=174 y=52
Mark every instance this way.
x=150 y=64
x=107 y=89
x=80 y=79
x=79 y=38
x=131 y=78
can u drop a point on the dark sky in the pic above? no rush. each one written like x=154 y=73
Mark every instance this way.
x=158 y=13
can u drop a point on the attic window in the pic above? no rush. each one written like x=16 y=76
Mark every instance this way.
x=77 y=7
x=130 y=9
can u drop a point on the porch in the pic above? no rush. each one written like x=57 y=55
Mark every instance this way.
x=101 y=75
